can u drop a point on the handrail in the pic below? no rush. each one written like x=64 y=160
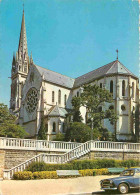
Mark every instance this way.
x=75 y=153
x=39 y=145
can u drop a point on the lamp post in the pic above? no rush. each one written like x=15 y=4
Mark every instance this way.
x=91 y=128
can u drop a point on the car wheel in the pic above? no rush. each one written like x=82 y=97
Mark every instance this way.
x=123 y=188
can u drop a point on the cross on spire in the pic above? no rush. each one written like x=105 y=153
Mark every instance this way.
x=117 y=53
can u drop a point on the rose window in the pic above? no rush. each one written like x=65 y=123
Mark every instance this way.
x=32 y=100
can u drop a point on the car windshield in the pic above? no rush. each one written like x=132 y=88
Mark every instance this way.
x=127 y=173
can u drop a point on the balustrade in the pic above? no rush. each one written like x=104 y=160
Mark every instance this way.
x=76 y=151
x=30 y=144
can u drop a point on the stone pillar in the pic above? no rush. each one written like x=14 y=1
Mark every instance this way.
x=2 y=162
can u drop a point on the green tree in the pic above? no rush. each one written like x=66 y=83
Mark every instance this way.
x=80 y=132
x=76 y=102
x=59 y=137
x=8 y=127
x=94 y=99
x=42 y=130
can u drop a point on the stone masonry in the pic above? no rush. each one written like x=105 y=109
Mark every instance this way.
x=2 y=161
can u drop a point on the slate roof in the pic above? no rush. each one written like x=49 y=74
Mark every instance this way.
x=56 y=78
x=114 y=67
x=57 y=111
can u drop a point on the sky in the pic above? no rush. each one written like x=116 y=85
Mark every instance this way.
x=71 y=37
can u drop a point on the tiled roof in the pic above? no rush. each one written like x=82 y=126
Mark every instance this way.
x=114 y=67
x=57 y=111
x=55 y=77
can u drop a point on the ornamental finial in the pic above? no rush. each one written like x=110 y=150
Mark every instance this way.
x=117 y=53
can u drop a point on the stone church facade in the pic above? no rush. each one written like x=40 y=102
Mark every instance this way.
x=36 y=90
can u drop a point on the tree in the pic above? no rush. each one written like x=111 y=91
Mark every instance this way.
x=94 y=98
x=76 y=102
x=59 y=137
x=8 y=127
x=80 y=132
x=42 y=130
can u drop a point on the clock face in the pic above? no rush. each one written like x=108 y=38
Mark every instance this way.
x=31 y=100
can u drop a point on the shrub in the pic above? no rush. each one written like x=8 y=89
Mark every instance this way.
x=41 y=166
x=82 y=164
x=89 y=172
x=25 y=175
x=45 y=175
x=59 y=137
x=80 y=132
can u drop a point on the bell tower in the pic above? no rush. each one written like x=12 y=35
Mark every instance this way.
x=19 y=71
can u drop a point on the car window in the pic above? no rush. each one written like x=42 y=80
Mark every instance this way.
x=137 y=174
x=127 y=173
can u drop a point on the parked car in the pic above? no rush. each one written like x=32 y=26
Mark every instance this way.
x=128 y=179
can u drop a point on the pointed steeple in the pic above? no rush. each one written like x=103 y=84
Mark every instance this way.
x=22 y=48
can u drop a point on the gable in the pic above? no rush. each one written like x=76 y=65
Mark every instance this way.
x=55 y=77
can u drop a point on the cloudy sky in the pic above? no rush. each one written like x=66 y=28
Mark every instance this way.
x=71 y=37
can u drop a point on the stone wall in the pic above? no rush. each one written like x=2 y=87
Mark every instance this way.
x=2 y=161
x=111 y=155
x=15 y=157
x=12 y=158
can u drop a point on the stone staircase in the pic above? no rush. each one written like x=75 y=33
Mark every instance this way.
x=51 y=158
x=73 y=151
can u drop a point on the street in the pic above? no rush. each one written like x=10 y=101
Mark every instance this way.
x=71 y=186
x=132 y=192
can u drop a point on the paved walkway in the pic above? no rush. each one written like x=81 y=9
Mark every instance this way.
x=52 y=186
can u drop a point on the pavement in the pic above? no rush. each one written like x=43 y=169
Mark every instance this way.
x=70 y=186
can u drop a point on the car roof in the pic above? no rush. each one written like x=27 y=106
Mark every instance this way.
x=136 y=168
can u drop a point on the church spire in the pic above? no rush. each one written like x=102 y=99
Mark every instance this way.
x=22 y=48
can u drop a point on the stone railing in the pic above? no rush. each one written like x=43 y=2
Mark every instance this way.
x=115 y=146
x=75 y=153
x=39 y=145
x=8 y=173
x=51 y=158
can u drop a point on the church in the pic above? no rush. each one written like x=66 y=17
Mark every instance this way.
x=36 y=90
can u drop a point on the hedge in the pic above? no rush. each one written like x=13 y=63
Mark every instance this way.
x=89 y=172
x=28 y=175
x=82 y=164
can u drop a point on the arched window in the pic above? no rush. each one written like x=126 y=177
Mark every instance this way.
x=59 y=97
x=77 y=93
x=101 y=85
x=53 y=96
x=54 y=127
x=65 y=99
x=111 y=86
x=133 y=89
x=123 y=88
x=123 y=108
